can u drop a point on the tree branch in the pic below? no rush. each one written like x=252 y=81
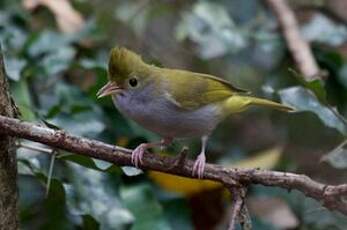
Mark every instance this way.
x=331 y=196
x=8 y=163
x=298 y=47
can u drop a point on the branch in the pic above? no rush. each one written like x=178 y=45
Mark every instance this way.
x=8 y=163
x=298 y=47
x=238 y=194
x=331 y=196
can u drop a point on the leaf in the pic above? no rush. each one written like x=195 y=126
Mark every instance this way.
x=188 y=186
x=313 y=215
x=337 y=157
x=131 y=171
x=148 y=213
x=322 y=29
x=89 y=223
x=90 y=163
x=136 y=14
x=42 y=44
x=55 y=207
x=93 y=193
x=177 y=212
x=316 y=86
x=69 y=20
x=59 y=60
x=210 y=26
x=14 y=67
x=22 y=97
x=82 y=124
x=342 y=76
x=273 y=210
x=304 y=100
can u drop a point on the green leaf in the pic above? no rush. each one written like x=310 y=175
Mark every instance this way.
x=316 y=86
x=210 y=26
x=59 y=60
x=303 y=100
x=342 y=75
x=177 y=212
x=136 y=14
x=337 y=157
x=89 y=223
x=140 y=200
x=14 y=67
x=22 y=97
x=90 y=163
x=55 y=208
x=82 y=124
x=47 y=42
x=323 y=30
x=94 y=193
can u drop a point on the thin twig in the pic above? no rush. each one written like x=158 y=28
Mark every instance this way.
x=50 y=172
x=331 y=196
x=298 y=47
x=238 y=195
x=34 y=148
x=245 y=218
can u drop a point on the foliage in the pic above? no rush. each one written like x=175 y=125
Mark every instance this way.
x=56 y=73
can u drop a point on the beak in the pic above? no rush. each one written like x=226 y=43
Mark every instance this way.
x=108 y=89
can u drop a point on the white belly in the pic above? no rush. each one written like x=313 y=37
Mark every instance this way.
x=167 y=119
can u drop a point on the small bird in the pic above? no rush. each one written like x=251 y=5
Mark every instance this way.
x=173 y=103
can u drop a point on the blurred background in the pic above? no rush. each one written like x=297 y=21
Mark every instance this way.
x=56 y=56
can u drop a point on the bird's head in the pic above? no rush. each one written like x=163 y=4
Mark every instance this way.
x=126 y=72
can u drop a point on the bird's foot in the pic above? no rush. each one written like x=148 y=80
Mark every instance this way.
x=199 y=165
x=137 y=154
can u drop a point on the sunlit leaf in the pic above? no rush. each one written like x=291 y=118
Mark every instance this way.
x=337 y=157
x=322 y=29
x=303 y=100
x=137 y=14
x=210 y=26
x=43 y=43
x=73 y=123
x=58 y=61
x=131 y=171
x=13 y=67
x=93 y=193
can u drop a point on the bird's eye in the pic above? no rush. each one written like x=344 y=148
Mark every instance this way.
x=133 y=82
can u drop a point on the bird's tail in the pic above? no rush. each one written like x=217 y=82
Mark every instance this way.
x=239 y=103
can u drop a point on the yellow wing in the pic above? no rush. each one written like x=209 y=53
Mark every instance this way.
x=191 y=90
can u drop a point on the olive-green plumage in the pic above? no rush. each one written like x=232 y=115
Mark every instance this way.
x=187 y=89
x=173 y=103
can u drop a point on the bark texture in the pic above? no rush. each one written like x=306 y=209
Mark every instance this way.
x=8 y=164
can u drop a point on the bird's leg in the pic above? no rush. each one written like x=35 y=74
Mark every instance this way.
x=199 y=164
x=137 y=154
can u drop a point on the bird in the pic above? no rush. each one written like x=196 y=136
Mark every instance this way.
x=173 y=103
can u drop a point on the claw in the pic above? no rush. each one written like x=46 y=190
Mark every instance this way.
x=137 y=154
x=199 y=165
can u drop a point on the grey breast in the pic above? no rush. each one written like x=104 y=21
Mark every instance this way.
x=162 y=116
